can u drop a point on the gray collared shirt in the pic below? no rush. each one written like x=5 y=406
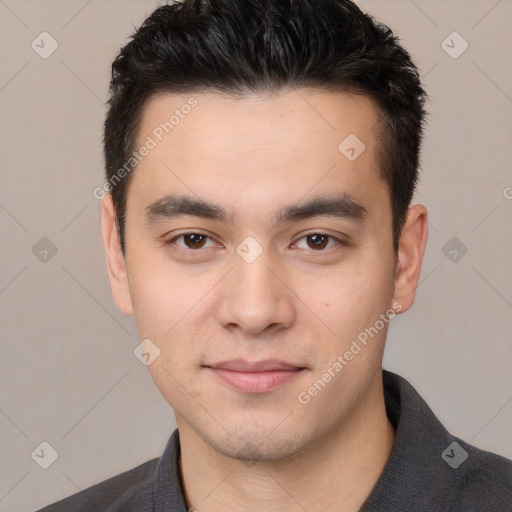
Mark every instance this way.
x=428 y=470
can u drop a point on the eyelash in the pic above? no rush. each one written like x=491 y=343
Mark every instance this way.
x=330 y=237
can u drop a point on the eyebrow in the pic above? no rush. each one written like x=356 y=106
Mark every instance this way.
x=340 y=205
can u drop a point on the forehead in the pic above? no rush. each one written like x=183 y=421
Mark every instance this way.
x=232 y=122
x=270 y=148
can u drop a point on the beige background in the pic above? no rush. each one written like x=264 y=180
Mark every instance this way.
x=68 y=373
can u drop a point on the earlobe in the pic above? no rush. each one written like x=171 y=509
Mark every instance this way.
x=410 y=256
x=116 y=265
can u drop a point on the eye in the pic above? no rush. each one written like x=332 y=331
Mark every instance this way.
x=318 y=241
x=191 y=241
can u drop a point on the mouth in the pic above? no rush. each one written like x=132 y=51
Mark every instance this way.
x=257 y=376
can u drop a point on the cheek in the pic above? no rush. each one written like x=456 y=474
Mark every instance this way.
x=352 y=299
x=155 y=305
x=170 y=309
x=161 y=295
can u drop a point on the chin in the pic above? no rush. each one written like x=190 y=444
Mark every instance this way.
x=255 y=441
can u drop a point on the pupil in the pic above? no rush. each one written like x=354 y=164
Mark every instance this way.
x=318 y=240
x=195 y=239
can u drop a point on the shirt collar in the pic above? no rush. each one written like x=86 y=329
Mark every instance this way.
x=415 y=476
x=168 y=489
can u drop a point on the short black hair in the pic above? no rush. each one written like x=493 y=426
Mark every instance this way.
x=264 y=46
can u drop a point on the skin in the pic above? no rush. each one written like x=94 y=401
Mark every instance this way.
x=297 y=303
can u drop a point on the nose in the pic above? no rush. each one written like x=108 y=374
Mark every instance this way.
x=254 y=297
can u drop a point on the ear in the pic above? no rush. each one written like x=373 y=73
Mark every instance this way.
x=115 y=259
x=410 y=257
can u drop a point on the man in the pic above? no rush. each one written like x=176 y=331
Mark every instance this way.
x=261 y=158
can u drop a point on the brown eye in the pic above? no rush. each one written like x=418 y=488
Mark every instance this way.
x=317 y=241
x=194 y=240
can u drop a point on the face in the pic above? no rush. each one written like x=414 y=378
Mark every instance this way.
x=260 y=263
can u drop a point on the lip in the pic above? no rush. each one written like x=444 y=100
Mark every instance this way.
x=257 y=376
x=241 y=365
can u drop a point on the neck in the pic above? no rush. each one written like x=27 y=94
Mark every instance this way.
x=335 y=472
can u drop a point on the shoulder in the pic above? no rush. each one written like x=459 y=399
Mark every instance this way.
x=433 y=469
x=131 y=490
x=485 y=482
